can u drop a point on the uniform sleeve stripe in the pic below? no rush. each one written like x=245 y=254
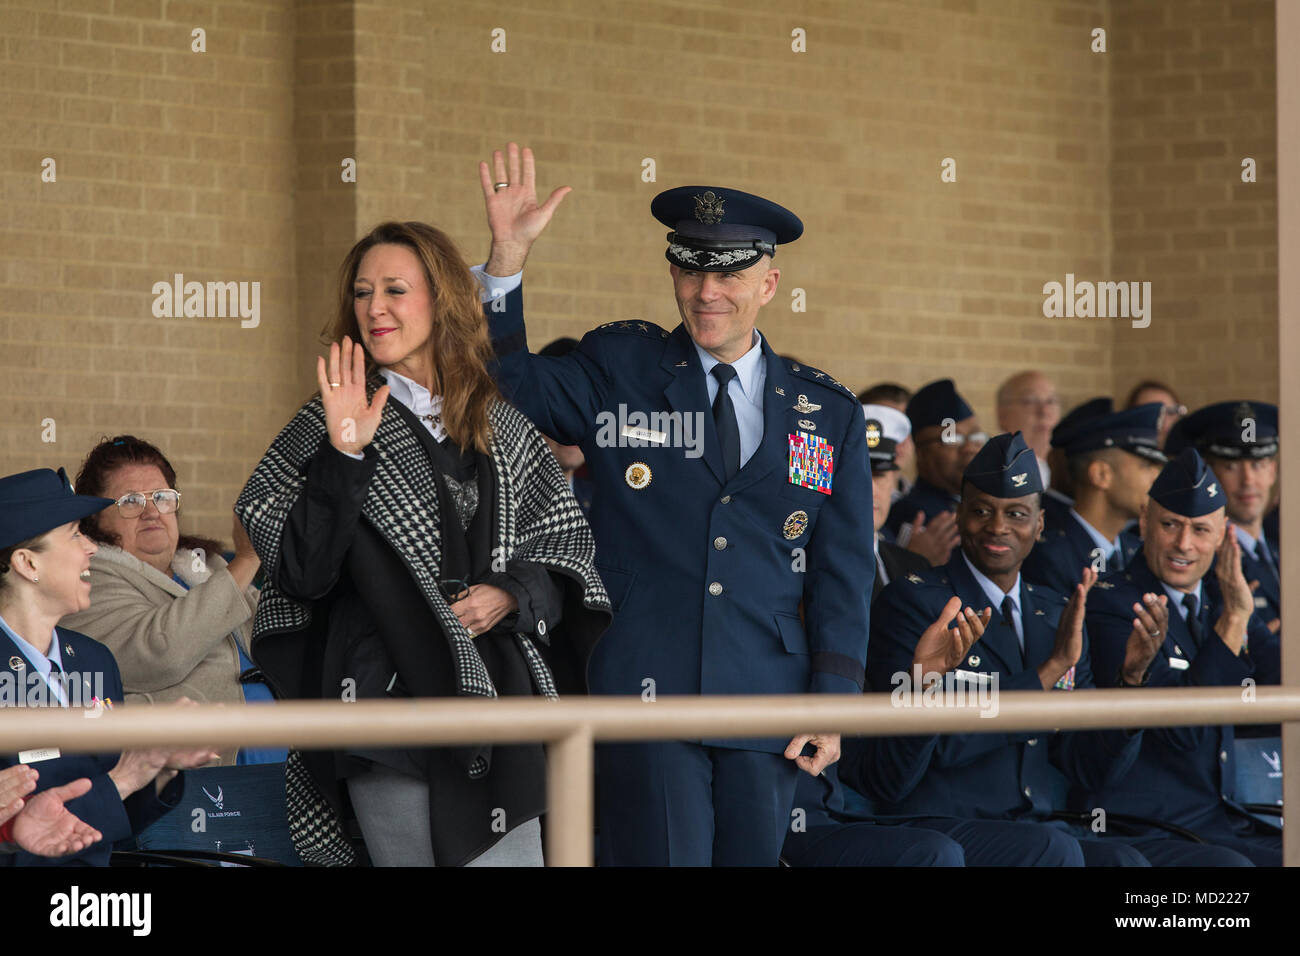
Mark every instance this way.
x=841 y=665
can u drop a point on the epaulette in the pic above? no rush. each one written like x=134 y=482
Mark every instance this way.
x=819 y=377
x=636 y=327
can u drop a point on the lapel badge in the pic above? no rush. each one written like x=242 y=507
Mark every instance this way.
x=780 y=390
x=683 y=364
x=974 y=660
x=803 y=406
x=638 y=475
x=914 y=578
x=795 y=525
x=67 y=649
x=17 y=663
x=1178 y=650
x=1019 y=480
x=1039 y=612
x=810 y=425
x=708 y=208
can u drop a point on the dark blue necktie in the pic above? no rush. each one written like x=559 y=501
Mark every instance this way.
x=1009 y=619
x=1193 y=622
x=724 y=419
x=1265 y=556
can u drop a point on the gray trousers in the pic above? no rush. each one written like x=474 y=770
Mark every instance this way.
x=393 y=810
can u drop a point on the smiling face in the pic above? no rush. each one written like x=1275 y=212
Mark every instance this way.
x=394 y=310
x=1180 y=550
x=1247 y=483
x=721 y=308
x=152 y=536
x=998 y=533
x=62 y=566
x=942 y=453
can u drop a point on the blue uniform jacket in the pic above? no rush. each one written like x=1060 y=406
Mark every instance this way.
x=922 y=496
x=1268 y=598
x=706 y=575
x=995 y=775
x=102 y=807
x=1065 y=549
x=1182 y=773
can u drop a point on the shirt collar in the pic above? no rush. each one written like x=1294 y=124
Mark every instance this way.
x=747 y=367
x=991 y=590
x=38 y=660
x=1253 y=545
x=1097 y=539
x=1176 y=596
x=410 y=393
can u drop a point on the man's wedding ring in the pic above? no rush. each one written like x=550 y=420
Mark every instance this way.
x=336 y=385
x=497 y=187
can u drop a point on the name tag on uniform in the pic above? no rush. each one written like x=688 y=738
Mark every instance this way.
x=36 y=756
x=644 y=434
x=812 y=462
x=973 y=677
x=1261 y=601
x=1179 y=663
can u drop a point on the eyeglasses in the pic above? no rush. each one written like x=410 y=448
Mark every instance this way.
x=958 y=440
x=1052 y=401
x=453 y=589
x=133 y=503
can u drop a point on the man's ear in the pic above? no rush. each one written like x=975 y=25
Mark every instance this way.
x=770 y=280
x=1101 y=473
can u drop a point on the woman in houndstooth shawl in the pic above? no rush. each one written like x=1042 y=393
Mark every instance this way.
x=420 y=541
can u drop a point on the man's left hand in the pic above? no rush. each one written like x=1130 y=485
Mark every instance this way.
x=828 y=751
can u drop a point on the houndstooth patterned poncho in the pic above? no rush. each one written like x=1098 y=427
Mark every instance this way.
x=537 y=520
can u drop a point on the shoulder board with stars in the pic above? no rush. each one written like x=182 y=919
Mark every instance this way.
x=819 y=377
x=635 y=327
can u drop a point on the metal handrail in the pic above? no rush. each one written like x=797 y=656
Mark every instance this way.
x=569 y=727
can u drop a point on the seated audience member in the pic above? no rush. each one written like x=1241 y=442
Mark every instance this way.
x=896 y=397
x=1028 y=403
x=947 y=436
x=1239 y=441
x=42 y=825
x=1112 y=461
x=994 y=793
x=1146 y=392
x=570 y=457
x=176 y=616
x=1206 y=634
x=44 y=576
x=886 y=429
x=1060 y=496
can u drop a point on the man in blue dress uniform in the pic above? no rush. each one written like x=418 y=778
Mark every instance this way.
x=732 y=517
x=1112 y=460
x=993 y=793
x=1206 y=634
x=1239 y=442
x=947 y=435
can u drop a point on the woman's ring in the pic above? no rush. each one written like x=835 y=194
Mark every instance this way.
x=336 y=385
x=497 y=187
x=470 y=631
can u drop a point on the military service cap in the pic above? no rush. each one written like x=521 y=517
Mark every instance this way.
x=887 y=428
x=1227 y=430
x=936 y=402
x=1135 y=430
x=722 y=230
x=1092 y=408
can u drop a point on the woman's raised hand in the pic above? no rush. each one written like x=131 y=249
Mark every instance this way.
x=350 y=417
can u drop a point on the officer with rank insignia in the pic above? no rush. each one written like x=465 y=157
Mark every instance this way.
x=1112 y=461
x=993 y=793
x=1239 y=442
x=947 y=435
x=731 y=486
x=887 y=428
x=1206 y=634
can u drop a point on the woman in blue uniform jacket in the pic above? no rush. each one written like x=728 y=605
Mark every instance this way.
x=44 y=575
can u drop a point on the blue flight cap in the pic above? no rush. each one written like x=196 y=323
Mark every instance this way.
x=1092 y=408
x=887 y=428
x=721 y=230
x=1135 y=430
x=34 y=502
x=1186 y=486
x=1227 y=430
x=1005 y=468
x=936 y=402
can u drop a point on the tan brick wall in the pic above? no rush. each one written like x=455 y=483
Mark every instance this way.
x=226 y=166
x=1195 y=94
x=168 y=161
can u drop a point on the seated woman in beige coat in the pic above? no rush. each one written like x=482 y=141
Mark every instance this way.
x=176 y=616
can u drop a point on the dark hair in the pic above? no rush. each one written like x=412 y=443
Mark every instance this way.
x=459 y=345
x=7 y=555
x=1145 y=384
x=885 y=392
x=97 y=470
x=1078 y=465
